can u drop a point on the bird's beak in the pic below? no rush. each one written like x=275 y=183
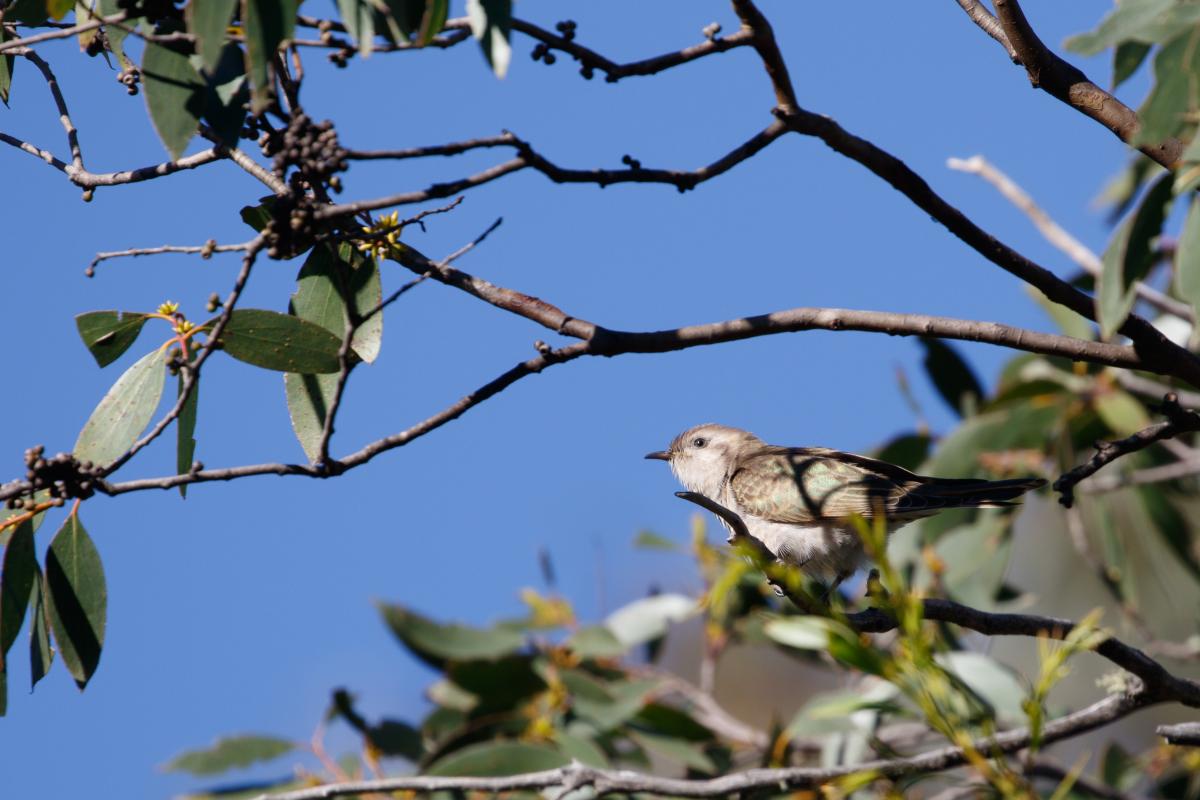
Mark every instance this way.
x=659 y=455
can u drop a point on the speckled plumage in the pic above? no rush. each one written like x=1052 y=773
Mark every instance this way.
x=798 y=500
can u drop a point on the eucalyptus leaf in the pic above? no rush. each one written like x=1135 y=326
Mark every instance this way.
x=952 y=376
x=596 y=642
x=233 y=752
x=436 y=643
x=1176 y=94
x=1123 y=414
x=78 y=598
x=1138 y=20
x=7 y=62
x=185 y=430
x=41 y=653
x=108 y=334
x=268 y=24
x=175 y=94
x=644 y=620
x=208 y=20
x=1130 y=255
x=498 y=758
x=801 y=633
x=491 y=25
x=124 y=412
x=990 y=680
x=280 y=342
x=1127 y=57
x=17 y=574
x=359 y=18
x=1187 y=258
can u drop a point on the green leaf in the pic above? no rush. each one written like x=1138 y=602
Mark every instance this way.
x=687 y=753
x=977 y=556
x=644 y=620
x=308 y=399
x=500 y=685
x=649 y=540
x=394 y=738
x=234 y=752
x=30 y=12
x=41 y=654
x=491 y=25
x=1142 y=20
x=268 y=24
x=990 y=680
x=498 y=758
x=58 y=9
x=6 y=67
x=208 y=20
x=1176 y=93
x=258 y=216
x=116 y=36
x=1130 y=255
x=1068 y=321
x=226 y=94
x=77 y=598
x=16 y=585
x=1171 y=524
x=330 y=282
x=280 y=342
x=359 y=18
x=1118 y=768
x=124 y=412
x=802 y=633
x=1025 y=425
x=1187 y=258
x=185 y=431
x=435 y=643
x=1120 y=411
x=595 y=642
x=952 y=376
x=108 y=334
x=606 y=706
x=1127 y=57
x=908 y=450
x=581 y=749
x=671 y=721
x=175 y=94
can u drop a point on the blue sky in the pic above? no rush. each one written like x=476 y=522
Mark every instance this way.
x=241 y=608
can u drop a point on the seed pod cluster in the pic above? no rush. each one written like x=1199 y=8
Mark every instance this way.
x=61 y=476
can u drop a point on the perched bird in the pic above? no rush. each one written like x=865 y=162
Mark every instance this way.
x=797 y=501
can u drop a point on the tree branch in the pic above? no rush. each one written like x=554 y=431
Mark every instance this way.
x=528 y=157
x=1074 y=249
x=1050 y=73
x=1179 y=420
x=987 y=23
x=605 y=781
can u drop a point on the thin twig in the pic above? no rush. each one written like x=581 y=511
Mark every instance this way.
x=61 y=33
x=987 y=22
x=1074 y=249
x=169 y=248
x=1179 y=420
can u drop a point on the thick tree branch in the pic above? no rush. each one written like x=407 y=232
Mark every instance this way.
x=1050 y=73
x=1179 y=420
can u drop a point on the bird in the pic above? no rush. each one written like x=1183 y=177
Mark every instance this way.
x=799 y=501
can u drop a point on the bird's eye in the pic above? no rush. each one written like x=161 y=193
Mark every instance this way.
x=699 y=441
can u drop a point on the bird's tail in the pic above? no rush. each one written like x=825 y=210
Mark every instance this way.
x=980 y=493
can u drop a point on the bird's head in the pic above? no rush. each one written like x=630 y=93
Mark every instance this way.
x=700 y=457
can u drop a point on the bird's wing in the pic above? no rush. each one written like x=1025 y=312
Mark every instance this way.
x=803 y=485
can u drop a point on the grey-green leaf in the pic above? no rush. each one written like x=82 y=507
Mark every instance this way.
x=233 y=752
x=6 y=68
x=1127 y=57
x=175 y=95
x=41 y=653
x=185 y=428
x=498 y=758
x=596 y=642
x=16 y=585
x=268 y=24
x=952 y=376
x=308 y=399
x=124 y=412
x=78 y=598
x=359 y=18
x=1129 y=20
x=491 y=25
x=333 y=281
x=644 y=620
x=280 y=342
x=437 y=643
x=1176 y=93
x=208 y=20
x=1130 y=255
x=1187 y=258
x=108 y=334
